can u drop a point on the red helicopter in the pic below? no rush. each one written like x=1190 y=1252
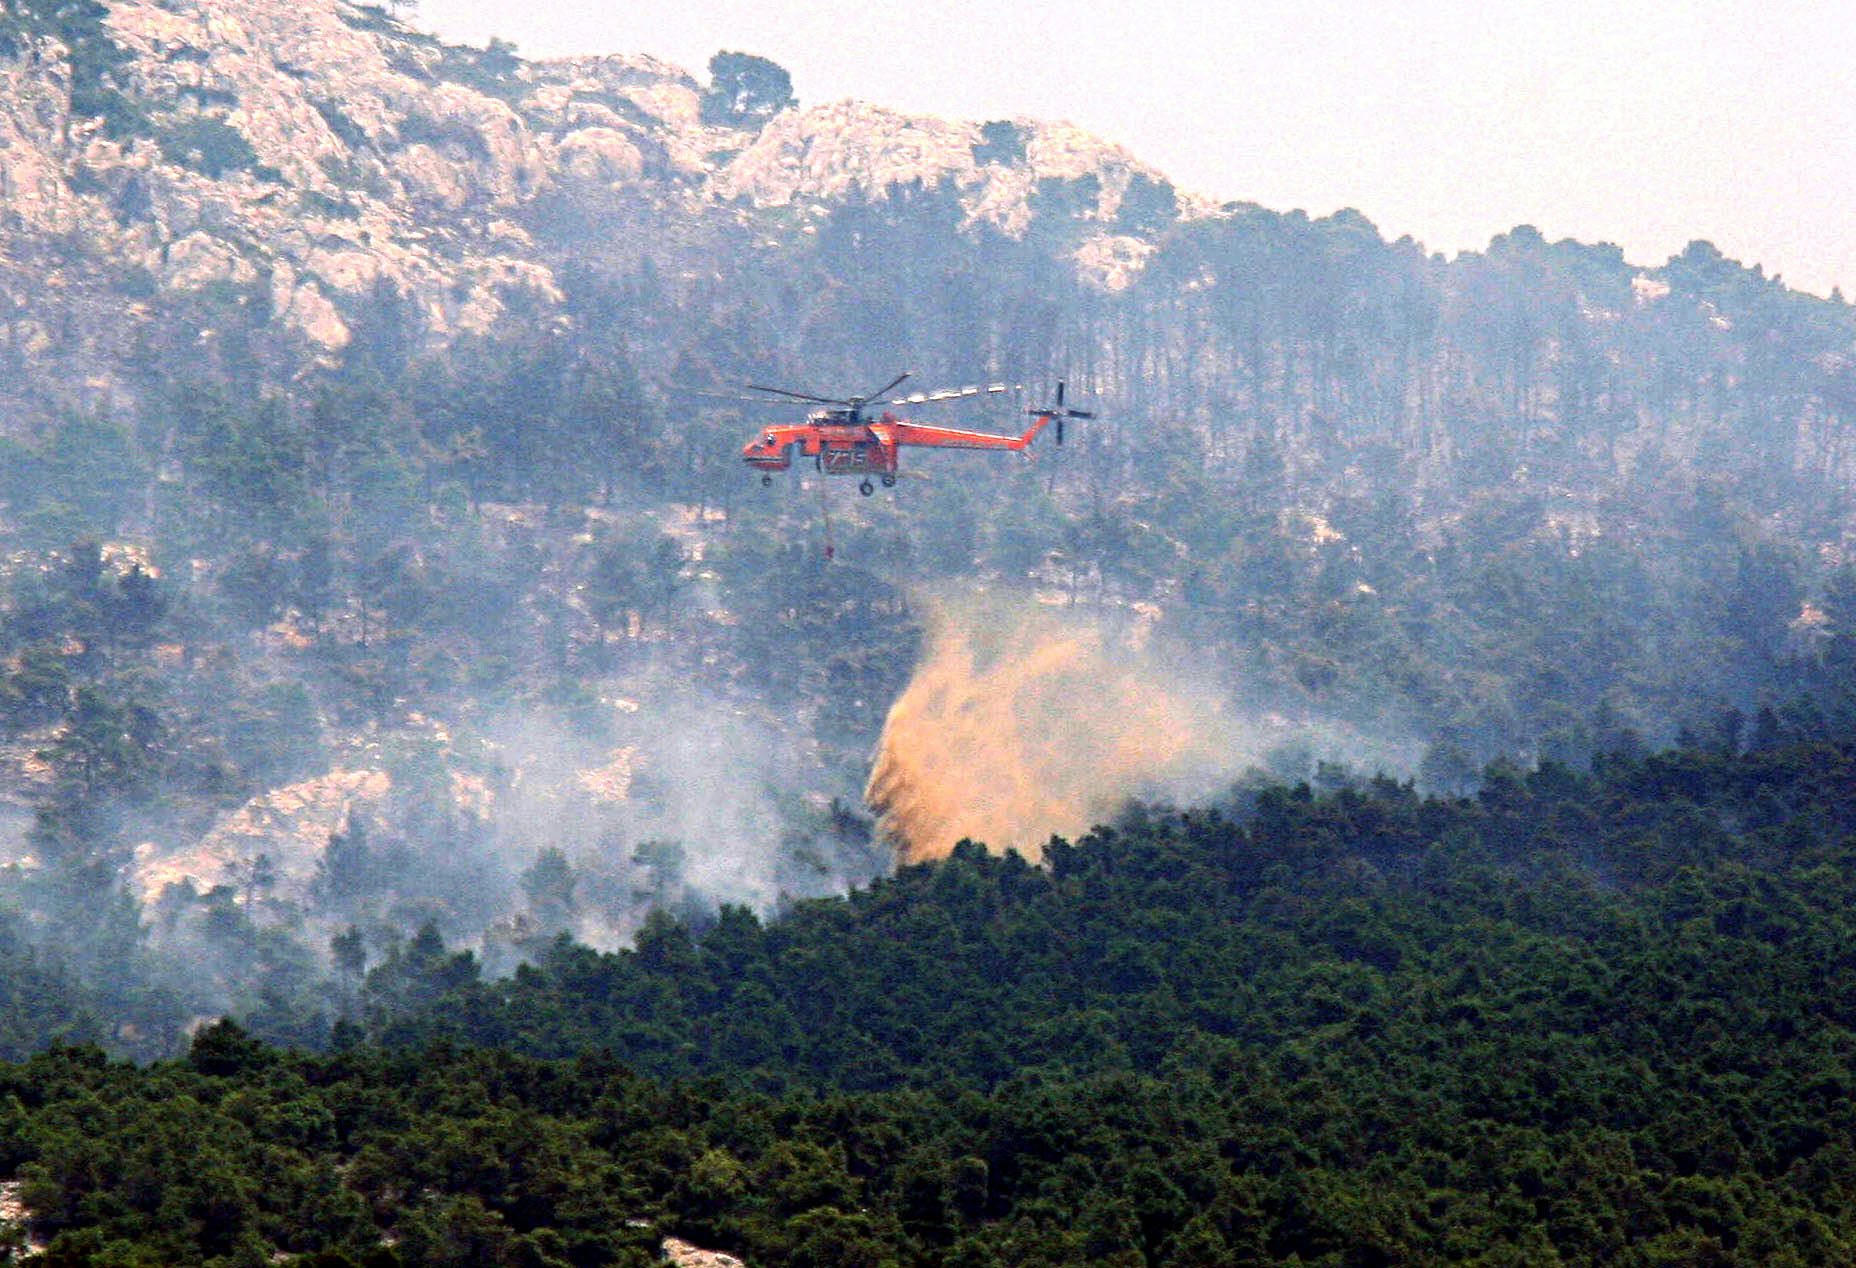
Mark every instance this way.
x=841 y=442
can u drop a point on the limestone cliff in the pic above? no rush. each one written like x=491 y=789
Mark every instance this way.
x=313 y=152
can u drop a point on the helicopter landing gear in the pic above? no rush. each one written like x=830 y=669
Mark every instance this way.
x=889 y=479
x=765 y=481
x=866 y=488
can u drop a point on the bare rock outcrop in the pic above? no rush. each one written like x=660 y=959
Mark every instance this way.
x=320 y=154
x=289 y=825
x=827 y=152
x=686 y=1255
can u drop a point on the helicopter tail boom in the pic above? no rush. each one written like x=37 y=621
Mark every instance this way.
x=960 y=438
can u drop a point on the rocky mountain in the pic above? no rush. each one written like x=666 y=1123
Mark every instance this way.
x=316 y=152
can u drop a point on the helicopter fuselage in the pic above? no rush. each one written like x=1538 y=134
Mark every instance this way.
x=838 y=448
x=841 y=447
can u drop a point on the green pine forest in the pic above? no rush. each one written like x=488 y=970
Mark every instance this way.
x=1604 y=1018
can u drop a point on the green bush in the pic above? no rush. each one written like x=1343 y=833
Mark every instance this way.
x=206 y=144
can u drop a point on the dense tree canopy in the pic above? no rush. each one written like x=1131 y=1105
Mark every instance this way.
x=1587 y=1019
x=745 y=90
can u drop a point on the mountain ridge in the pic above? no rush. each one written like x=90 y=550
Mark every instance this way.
x=316 y=151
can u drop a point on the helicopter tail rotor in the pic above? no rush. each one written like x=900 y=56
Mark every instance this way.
x=1059 y=412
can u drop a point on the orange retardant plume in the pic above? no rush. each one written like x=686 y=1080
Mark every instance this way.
x=1020 y=723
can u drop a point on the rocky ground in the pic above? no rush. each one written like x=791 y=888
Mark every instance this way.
x=684 y=1255
x=319 y=151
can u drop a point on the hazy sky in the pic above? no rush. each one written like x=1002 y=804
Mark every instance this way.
x=1645 y=124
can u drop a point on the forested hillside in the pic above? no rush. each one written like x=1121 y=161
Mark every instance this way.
x=396 y=658
x=310 y=632
x=1604 y=1019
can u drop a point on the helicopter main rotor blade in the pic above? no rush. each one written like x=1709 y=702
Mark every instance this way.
x=798 y=396
x=955 y=394
x=736 y=398
x=887 y=387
